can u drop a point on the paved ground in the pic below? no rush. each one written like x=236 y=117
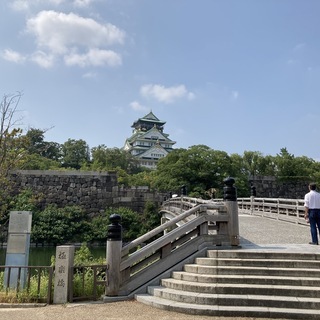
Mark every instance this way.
x=256 y=232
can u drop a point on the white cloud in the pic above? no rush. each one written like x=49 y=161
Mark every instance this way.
x=90 y=75
x=166 y=95
x=138 y=107
x=19 y=5
x=76 y=40
x=94 y=57
x=59 y=32
x=42 y=59
x=13 y=56
x=24 y=5
x=82 y=3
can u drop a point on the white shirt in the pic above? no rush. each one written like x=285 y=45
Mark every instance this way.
x=312 y=200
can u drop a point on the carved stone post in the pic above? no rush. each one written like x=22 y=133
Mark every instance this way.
x=63 y=274
x=113 y=255
x=230 y=198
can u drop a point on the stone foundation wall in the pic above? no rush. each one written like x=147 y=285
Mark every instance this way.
x=90 y=190
x=270 y=187
x=96 y=191
x=135 y=197
x=93 y=191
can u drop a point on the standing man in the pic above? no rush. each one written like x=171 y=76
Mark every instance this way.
x=312 y=211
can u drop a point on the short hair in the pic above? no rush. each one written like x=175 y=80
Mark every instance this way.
x=313 y=186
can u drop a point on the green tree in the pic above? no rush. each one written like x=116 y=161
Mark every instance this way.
x=36 y=162
x=60 y=225
x=104 y=158
x=37 y=145
x=50 y=226
x=131 y=224
x=199 y=168
x=75 y=153
x=150 y=218
x=144 y=178
x=12 y=145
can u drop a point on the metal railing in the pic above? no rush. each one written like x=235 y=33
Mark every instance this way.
x=26 y=283
x=88 y=282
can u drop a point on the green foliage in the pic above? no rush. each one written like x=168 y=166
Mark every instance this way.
x=36 y=162
x=133 y=223
x=144 y=178
x=130 y=221
x=37 y=145
x=34 y=293
x=83 y=282
x=150 y=218
x=83 y=256
x=198 y=168
x=25 y=201
x=83 y=278
x=12 y=147
x=60 y=225
x=106 y=159
x=75 y=153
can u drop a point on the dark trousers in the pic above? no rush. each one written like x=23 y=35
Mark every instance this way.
x=314 y=218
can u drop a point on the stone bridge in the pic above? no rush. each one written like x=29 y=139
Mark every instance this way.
x=238 y=258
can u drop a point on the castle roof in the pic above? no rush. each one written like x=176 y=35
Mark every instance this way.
x=149 y=118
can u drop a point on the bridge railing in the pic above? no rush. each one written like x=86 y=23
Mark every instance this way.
x=290 y=210
x=168 y=246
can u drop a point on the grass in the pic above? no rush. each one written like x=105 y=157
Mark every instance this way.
x=36 y=291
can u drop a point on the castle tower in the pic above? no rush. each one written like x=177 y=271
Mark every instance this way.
x=148 y=142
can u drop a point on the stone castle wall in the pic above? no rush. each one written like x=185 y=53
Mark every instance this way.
x=270 y=187
x=96 y=191
x=93 y=191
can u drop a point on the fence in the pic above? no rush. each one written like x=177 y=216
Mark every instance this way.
x=36 y=287
x=290 y=210
x=88 y=282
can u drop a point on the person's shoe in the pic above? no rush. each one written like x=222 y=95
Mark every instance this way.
x=313 y=243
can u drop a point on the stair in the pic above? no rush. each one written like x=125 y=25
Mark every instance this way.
x=243 y=283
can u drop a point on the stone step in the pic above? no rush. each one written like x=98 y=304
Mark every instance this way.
x=243 y=283
x=235 y=300
x=229 y=311
x=258 y=254
x=248 y=279
x=242 y=288
x=239 y=270
x=313 y=264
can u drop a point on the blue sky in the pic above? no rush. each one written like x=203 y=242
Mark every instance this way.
x=235 y=75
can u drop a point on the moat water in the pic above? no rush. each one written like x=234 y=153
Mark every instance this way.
x=41 y=256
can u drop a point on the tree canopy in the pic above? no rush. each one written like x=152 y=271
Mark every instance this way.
x=199 y=168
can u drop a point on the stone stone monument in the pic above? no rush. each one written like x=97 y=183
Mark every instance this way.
x=18 y=248
x=63 y=273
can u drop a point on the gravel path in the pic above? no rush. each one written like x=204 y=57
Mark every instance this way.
x=127 y=310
